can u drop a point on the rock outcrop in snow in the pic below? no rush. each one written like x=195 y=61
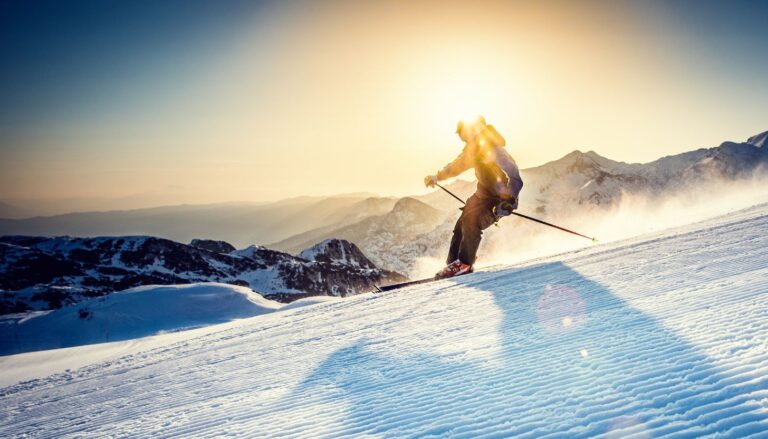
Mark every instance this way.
x=337 y=251
x=213 y=246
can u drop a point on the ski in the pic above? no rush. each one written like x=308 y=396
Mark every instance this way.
x=404 y=284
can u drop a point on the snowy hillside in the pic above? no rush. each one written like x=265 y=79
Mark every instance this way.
x=664 y=335
x=133 y=313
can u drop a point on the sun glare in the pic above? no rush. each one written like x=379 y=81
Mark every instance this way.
x=464 y=97
x=452 y=90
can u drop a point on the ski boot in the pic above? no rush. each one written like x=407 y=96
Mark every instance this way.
x=455 y=268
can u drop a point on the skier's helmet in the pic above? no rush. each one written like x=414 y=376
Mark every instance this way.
x=476 y=123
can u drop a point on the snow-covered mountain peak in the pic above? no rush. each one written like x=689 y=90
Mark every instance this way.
x=250 y=252
x=600 y=160
x=759 y=140
x=572 y=156
x=337 y=251
x=593 y=155
x=575 y=162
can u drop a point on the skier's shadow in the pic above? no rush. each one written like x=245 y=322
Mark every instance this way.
x=573 y=359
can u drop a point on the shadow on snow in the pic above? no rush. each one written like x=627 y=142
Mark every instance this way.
x=574 y=359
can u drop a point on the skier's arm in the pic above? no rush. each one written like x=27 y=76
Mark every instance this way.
x=456 y=167
x=510 y=186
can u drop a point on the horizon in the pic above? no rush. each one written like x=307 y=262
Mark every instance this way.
x=261 y=102
x=464 y=177
x=116 y=205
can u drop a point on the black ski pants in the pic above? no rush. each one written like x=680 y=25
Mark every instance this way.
x=476 y=216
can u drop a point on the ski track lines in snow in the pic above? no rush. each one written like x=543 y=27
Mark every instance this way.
x=662 y=337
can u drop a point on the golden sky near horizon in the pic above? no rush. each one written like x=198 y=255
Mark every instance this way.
x=334 y=97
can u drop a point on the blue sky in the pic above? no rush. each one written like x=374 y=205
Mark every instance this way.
x=60 y=57
x=108 y=99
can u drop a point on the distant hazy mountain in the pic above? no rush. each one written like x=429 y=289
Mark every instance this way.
x=379 y=235
x=8 y=210
x=46 y=273
x=440 y=200
x=240 y=224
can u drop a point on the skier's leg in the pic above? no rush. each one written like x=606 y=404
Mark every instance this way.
x=477 y=216
x=453 y=251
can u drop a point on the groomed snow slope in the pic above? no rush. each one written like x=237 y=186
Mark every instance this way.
x=665 y=335
x=137 y=312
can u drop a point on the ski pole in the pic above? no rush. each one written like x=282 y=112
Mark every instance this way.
x=523 y=216
x=593 y=239
x=451 y=193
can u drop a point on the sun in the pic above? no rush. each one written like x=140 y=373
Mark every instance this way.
x=451 y=91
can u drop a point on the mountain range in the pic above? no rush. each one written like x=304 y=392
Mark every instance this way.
x=321 y=246
x=580 y=178
x=38 y=273
x=588 y=178
x=583 y=181
x=241 y=224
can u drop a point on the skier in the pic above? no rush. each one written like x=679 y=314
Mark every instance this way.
x=498 y=187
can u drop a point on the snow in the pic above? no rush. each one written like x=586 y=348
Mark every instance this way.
x=66 y=244
x=337 y=251
x=661 y=335
x=250 y=252
x=131 y=314
x=759 y=140
x=322 y=247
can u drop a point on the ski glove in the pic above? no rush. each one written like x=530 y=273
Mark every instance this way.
x=504 y=208
x=430 y=180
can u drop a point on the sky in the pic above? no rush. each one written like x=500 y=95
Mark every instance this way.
x=114 y=104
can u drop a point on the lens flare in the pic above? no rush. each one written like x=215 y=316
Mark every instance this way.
x=560 y=309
